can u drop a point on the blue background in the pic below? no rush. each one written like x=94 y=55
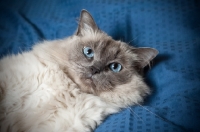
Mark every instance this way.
x=171 y=26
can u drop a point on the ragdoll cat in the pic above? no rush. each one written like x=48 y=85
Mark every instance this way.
x=71 y=85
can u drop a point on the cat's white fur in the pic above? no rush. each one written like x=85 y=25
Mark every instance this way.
x=41 y=98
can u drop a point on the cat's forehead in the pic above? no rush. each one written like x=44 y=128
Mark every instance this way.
x=106 y=47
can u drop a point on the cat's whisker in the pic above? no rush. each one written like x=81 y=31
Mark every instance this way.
x=152 y=113
x=134 y=114
x=133 y=39
x=143 y=108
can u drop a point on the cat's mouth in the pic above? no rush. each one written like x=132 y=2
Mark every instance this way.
x=88 y=84
x=88 y=80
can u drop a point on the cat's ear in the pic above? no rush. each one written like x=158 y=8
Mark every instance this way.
x=86 y=24
x=145 y=55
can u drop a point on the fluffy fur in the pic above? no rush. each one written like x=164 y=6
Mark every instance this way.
x=53 y=87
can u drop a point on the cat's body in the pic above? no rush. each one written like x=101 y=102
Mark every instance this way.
x=56 y=87
x=41 y=97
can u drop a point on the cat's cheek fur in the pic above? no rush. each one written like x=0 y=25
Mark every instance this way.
x=127 y=94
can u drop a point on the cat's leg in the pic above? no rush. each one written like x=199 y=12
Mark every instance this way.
x=90 y=111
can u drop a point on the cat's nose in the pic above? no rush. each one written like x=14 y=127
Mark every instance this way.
x=94 y=70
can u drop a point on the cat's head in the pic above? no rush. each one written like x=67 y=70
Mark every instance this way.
x=106 y=67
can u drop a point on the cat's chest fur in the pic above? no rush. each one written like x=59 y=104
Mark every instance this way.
x=45 y=99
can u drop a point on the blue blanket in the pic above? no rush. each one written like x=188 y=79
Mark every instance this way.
x=171 y=26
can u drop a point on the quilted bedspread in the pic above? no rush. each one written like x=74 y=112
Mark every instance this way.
x=171 y=26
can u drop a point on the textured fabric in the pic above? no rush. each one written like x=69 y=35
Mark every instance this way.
x=171 y=26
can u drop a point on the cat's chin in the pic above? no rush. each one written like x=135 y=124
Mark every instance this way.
x=89 y=82
x=89 y=85
x=86 y=85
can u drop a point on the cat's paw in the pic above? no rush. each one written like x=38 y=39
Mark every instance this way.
x=90 y=113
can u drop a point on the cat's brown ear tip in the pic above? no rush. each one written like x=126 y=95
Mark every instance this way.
x=84 y=11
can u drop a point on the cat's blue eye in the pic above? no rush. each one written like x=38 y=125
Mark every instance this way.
x=115 y=67
x=88 y=52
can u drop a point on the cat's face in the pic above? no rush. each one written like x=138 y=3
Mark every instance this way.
x=105 y=67
x=102 y=63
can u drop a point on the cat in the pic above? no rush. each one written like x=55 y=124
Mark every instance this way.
x=72 y=84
